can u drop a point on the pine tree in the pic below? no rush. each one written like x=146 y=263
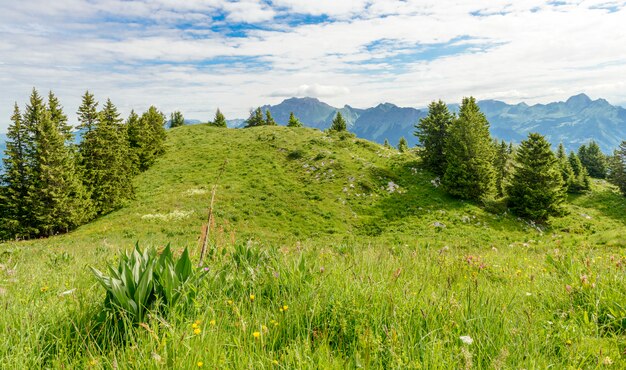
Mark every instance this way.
x=502 y=166
x=109 y=166
x=87 y=113
x=219 y=120
x=536 y=189
x=431 y=132
x=567 y=173
x=293 y=121
x=176 y=119
x=469 y=154
x=58 y=118
x=581 y=181
x=269 y=120
x=146 y=137
x=255 y=119
x=339 y=124
x=593 y=160
x=617 y=168
x=16 y=179
x=403 y=146
x=58 y=199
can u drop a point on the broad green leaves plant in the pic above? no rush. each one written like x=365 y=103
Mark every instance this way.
x=144 y=280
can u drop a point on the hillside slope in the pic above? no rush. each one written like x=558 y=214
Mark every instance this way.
x=336 y=253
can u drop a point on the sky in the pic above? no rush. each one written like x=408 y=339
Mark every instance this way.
x=198 y=55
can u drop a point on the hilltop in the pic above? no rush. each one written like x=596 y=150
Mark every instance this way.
x=367 y=259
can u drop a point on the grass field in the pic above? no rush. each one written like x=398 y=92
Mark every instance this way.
x=354 y=259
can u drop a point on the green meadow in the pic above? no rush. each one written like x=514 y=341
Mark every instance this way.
x=326 y=251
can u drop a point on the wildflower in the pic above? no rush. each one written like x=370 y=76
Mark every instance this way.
x=285 y=308
x=568 y=288
x=212 y=322
x=568 y=342
x=275 y=362
x=528 y=294
x=607 y=361
x=194 y=325
x=230 y=301
x=197 y=331
x=466 y=339
x=200 y=364
x=264 y=328
x=256 y=335
x=252 y=297
x=44 y=289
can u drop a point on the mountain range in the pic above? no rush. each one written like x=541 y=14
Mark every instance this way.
x=573 y=122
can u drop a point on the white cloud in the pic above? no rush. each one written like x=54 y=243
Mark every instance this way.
x=314 y=91
x=134 y=53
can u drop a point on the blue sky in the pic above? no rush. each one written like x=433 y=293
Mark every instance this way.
x=197 y=55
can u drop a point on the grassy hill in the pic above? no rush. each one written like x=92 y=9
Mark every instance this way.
x=379 y=268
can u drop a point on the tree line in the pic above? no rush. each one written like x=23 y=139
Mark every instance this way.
x=531 y=179
x=51 y=184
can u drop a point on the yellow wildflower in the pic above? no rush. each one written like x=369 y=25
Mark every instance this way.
x=197 y=331
x=252 y=297
x=44 y=289
x=212 y=322
x=200 y=363
x=256 y=334
x=285 y=308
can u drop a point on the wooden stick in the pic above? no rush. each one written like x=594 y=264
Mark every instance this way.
x=205 y=242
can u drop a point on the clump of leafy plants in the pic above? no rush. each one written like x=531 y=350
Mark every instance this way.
x=147 y=280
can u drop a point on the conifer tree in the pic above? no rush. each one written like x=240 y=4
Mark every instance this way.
x=469 y=154
x=58 y=199
x=403 y=146
x=176 y=119
x=431 y=132
x=593 y=160
x=269 y=120
x=58 y=118
x=16 y=179
x=339 y=124
x=293 y=121
x=581 y=181
x=617 y=168
x=87 y=113
x=146 y=137
x=133 y=133
x=502 y=166
x=109 y=166
x=255 y=119
x=567 y=173
x=386 y=144
x=219 y=120
x=536 y=189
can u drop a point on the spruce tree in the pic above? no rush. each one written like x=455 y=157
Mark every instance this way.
x=502 y=166
x=339 y=124
x=58 y=118
x=219 y=120
x=617 y=168
x=87 y=114
x=403 y=146
x=133 y=133
x=146 y=137
x=469 y=154
x=269 y=120
x=593 y=160
x=293 y=121
x=176 y=119
x=431 y=132
x=536 y=189
x=109 y=167
x=567 y=173
x=58 y=199
x=16 y=179
x=386 y=144
x=255 y=119
x=581 y=181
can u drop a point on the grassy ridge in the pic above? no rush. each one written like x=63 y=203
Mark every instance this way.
x=376 y=266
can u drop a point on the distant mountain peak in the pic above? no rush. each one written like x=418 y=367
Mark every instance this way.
x=579 y=100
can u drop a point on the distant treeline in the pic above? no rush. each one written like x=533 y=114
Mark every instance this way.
x=51 y=184
x=530 y=179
